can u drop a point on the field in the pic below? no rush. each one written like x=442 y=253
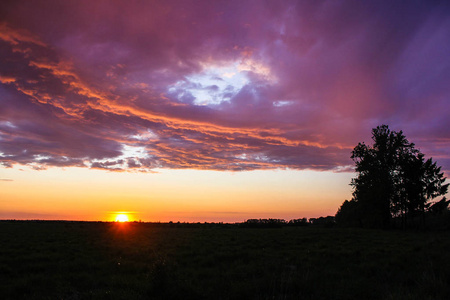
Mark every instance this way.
x=81 y=260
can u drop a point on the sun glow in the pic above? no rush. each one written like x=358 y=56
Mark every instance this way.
x=121 y=218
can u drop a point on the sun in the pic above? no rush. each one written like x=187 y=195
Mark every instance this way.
x=121 y=218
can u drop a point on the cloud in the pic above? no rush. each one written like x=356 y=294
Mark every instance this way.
x=286 y=85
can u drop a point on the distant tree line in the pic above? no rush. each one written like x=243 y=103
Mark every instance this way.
x=394 y=185
x=328 y=221
x=278 y=223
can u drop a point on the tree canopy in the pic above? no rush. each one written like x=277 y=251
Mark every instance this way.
x=393 y=180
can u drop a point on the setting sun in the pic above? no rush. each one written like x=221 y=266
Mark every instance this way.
x=121 y=218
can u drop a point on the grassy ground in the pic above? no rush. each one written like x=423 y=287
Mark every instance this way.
x=62 y=260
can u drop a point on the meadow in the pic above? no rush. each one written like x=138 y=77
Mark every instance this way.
x=95 y=260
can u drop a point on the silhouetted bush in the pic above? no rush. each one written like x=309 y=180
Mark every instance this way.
x=328 y=221
x=298 y=222
x=263 y=223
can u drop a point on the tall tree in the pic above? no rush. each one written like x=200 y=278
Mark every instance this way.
x=393 y=179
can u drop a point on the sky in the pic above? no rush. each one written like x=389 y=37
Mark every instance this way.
x=210 y=110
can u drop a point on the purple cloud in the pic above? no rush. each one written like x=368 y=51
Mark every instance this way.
x=222 y=86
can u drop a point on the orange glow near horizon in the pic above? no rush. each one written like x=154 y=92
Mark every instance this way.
x=169 y=195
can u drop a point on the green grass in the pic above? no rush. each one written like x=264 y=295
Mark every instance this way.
x=63 y=260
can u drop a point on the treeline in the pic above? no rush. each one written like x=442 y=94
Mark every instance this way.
x=250 y=223
x=278 y=223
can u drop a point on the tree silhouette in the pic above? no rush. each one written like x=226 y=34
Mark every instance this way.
x=440 y=206
x=393 y=180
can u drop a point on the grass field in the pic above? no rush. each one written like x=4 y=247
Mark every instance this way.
x=78 y=260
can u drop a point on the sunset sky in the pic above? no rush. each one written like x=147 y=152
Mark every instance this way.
x=210 y=110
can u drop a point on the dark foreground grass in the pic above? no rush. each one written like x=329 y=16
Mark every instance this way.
x=63 y=260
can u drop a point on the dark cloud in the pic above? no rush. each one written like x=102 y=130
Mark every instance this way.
x=115 y=86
